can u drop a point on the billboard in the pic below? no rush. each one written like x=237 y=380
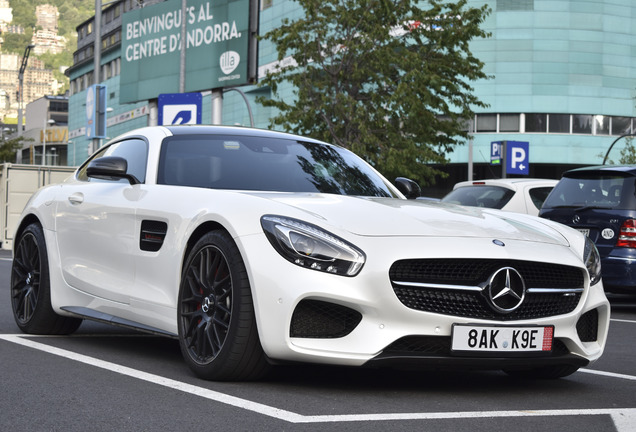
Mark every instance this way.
x=220 y=47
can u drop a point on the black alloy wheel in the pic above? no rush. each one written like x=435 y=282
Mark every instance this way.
x=30 y=287
x=217 y=327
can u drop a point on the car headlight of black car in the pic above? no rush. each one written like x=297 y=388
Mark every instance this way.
x=592 y=261
x=308 y=245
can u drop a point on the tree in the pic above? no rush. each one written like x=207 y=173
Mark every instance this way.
x=9 y=147
x=386 y=79
x=628 y=153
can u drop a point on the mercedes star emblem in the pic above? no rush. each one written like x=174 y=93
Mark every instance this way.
x=506 y=290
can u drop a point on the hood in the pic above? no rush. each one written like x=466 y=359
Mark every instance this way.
x=399 y=217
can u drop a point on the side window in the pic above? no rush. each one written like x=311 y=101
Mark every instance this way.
x=134 y=150
x=538 y=195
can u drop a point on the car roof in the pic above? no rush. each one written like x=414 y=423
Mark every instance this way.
x=510 y=183
x=624 y=169
x=234 y=130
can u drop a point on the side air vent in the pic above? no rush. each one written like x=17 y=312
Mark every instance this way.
x=153 y=234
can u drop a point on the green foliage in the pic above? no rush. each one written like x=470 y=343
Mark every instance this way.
x=16 y=43
x=9 y=147
x=628 y=153
x=387 y=79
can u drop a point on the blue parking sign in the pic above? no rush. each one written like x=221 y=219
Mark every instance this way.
x=517 y=157
x=495 y=152
x=179 y=108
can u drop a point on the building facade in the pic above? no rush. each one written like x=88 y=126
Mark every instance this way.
x=46 y=132
x=563 y=81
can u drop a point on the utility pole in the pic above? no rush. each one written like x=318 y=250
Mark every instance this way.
x=97 y=60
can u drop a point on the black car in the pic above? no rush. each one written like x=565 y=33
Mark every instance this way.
x=600 y=201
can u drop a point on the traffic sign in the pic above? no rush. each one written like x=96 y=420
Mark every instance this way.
x=517 y=157
x=180 y=108
x=96 y=111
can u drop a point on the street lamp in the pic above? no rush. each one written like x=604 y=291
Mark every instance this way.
x=25 y=59
x=612 y=145
x=50 y=122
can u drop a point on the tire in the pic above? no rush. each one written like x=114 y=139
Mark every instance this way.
x=31 y=289
x=545 y=372
x=217 y=327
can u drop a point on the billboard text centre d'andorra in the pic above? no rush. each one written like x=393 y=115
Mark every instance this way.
x=215 y=32
x=217 y=37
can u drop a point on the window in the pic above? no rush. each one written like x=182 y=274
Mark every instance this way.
x=621 y=125
x=602 y=125
x=135 y=151
x=582 y=124
x=559 y=123
x=508 y=122
x=536 y=122
x=486 y=122
x=515 y=5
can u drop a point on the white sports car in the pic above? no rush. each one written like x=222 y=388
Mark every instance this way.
x=256 y=248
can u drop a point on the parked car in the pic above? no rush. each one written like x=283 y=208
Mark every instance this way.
x=600 y=201
x=256 y=247
x=521 y=195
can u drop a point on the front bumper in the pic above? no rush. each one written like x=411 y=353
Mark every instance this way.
x=380 y=322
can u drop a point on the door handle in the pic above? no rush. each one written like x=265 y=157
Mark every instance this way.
x=76 y=198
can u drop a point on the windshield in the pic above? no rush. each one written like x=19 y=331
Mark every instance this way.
x=480 y=196
x=597 y=190
x=266 y=164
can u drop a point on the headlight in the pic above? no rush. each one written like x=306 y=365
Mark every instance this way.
x=309 y=246
x=592 y=261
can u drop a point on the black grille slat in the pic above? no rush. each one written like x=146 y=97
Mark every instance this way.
x=476 y=272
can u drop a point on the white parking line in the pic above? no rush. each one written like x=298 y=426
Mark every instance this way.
x=623 y=321
x=624 y=418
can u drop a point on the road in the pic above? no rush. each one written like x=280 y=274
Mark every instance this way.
x=104 y=378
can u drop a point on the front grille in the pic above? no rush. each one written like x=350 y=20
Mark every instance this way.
x=476 y=271
x=413 y=275
x=587 y=326
x=319 y=319
x=441 y=346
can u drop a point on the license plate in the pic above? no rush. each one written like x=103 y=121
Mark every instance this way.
x=497 y=339
x=584 y=231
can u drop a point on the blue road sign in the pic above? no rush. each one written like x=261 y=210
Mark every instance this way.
x=179 y=108
x=517 y=157
x=96 y=111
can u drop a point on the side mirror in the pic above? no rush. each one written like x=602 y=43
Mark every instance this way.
x=408 y=187
x=110 y=168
